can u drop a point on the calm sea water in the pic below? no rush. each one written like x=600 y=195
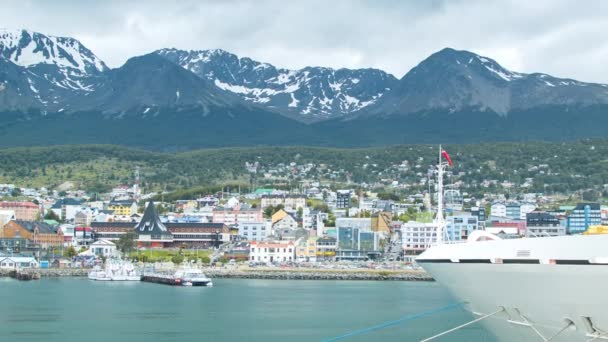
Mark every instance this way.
x=63 y=310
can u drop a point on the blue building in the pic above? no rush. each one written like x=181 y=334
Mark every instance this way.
x=583 y=216
x=460 y=227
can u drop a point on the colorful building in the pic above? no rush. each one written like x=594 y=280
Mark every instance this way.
x=123 y=207
x=25 y=211
x=39 y=233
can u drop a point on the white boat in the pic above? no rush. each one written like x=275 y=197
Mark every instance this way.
x=528 y=289
x=192 y=277
x=115 y=270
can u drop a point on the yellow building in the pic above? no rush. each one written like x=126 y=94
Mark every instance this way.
x=307 y=250
x=126 y=207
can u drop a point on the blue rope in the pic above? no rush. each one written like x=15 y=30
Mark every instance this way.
x=395 y=322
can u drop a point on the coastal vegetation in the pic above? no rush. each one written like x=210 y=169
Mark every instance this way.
x=538 y=166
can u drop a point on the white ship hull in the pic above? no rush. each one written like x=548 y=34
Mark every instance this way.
x=543 y=284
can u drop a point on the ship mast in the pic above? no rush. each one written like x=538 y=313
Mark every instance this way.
x=439 y=221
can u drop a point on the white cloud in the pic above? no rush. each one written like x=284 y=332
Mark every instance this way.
x=565 y=38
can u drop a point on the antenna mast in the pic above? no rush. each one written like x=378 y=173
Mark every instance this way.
x=439 y=221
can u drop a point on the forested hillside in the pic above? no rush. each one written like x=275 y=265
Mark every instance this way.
x=553 y=167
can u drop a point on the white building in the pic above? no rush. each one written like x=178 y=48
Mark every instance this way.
x=286 y=222
x=103 y=248
x=270 y=252
x=498 y=209
x=18 y=262
x=293 y=202
x=417 y=236
x=254 y=231
x=526 y=208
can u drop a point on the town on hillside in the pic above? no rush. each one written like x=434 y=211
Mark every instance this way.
x=315 y=224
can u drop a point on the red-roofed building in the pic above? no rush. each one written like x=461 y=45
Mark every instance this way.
x=25 y=211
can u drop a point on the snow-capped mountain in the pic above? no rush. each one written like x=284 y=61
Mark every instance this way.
x=454 y=80
x=54 y=70
x=309 y=94
x=52 y=88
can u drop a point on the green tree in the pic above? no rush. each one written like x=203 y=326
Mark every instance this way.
x=50 y=215
x=177 y=259
x=62 y=193
x=70 y=252
x=126 y=243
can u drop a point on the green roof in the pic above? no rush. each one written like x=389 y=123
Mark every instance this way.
x=51 y=222
x=262 y=191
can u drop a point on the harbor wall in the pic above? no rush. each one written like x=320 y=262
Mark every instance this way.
x=282 y=274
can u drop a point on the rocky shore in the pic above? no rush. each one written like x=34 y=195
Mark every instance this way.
x=295 y=274
x=278 y=274
x=52 y=272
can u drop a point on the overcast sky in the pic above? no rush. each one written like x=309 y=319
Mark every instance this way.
x=559 y=37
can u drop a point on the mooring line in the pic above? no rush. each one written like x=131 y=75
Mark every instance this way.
x=395 y=322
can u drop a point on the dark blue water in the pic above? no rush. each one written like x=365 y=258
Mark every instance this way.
x=62 y=310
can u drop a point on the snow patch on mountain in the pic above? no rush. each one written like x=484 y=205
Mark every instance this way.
x=314 y=92
x=27 y=48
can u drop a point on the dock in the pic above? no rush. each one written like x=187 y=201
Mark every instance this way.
x=161 y=279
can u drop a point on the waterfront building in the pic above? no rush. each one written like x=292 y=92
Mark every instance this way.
x=583 y=216
x=25 y=211
x=326 y=248
x=293 y=202
x=306 y=250
x=150 y=232
x=17 y=262
x=271 y=252
x=416 y=237
x=458 y=228
x=540 y=223
x=354 y=244
x=103 y=248
x=39 y=233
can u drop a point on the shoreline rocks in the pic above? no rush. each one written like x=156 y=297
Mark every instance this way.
x=270 y=274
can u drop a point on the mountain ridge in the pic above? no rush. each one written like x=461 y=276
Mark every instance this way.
x=202 y=98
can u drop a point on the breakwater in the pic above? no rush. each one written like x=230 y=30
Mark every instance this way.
x=52 y=272
x=278 y=274
x=295 y=274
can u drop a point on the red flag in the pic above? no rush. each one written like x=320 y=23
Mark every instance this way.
x=445 y=155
